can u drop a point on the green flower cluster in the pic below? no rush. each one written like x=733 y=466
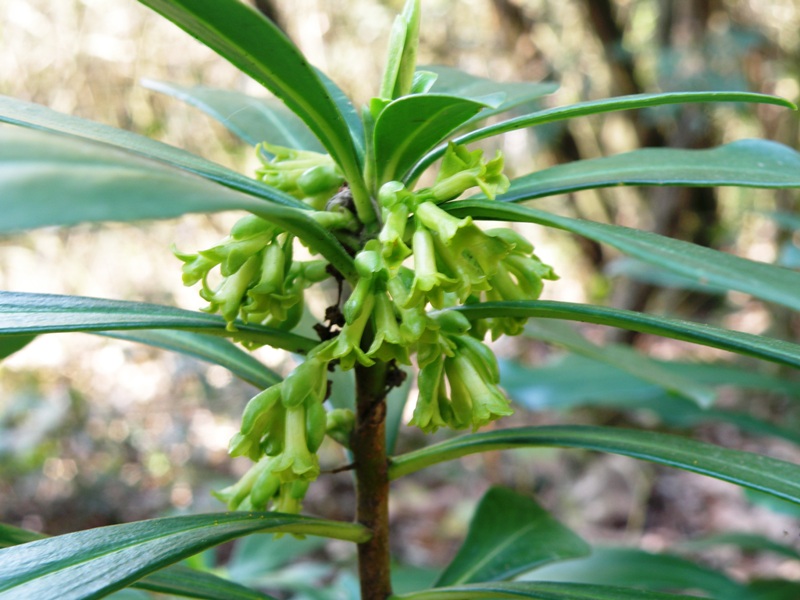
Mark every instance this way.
x=387 y=316
x=282 y=429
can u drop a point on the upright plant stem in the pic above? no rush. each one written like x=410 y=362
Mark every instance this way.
x=371 y=465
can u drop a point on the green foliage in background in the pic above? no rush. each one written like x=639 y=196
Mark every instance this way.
x=337 y=197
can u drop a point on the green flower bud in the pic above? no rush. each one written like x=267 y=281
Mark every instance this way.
x=273 y=271
x=252 y=226
x=452 y=322
x=336 y=220
x=258 y=414
x=320 y=179
x=354 y=306
x=304 y=382
x=265 y=488
x=518 y=243
x=316 y=425
x=339 y=425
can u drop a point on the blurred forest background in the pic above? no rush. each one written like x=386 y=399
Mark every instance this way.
x=95 y=431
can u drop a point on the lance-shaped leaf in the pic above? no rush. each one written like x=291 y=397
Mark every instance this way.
x=12 y=344
x=57 y=180
x=593 y=107
x=748 y=344
x=191 y=583
x=771 y=476
x=508 y=535
x=205 y=347
x=745 y=163
x=96 y=562
x=538 y=591
x=176 y=579
x=623 y=358
x=555 y=387
x=749 y=542
x=412 y=125
x=254 y=44
x=35 y=116
x=630 y=567
x=13 y=536
x=22 y=313
x=254 y=120
x=460 y=83
x=761 y=280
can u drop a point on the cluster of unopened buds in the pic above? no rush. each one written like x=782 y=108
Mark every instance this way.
x=423 y=263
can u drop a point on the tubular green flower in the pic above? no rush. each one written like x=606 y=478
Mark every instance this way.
x=347 y=345
x=195 y=266
x=487 y=402
x=388 y=343
x=228 y=297
x=427 y=412
x=233 y=496
x=429 y=284
x=296 y=461
x=257 y=416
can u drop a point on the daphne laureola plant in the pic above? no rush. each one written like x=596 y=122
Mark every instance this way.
x=421 y=286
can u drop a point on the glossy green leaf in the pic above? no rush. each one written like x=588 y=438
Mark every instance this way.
x=35 y=116
x=254 y=120
x=555 y=387
x=623 y=358
x=508 y=535
x=593 y=107
x=22 y=313
x=258 y=556
x=13 y=536
x=57 y=180
x=12 y=344
x=748 y=344
x=771 y=589
x=459 y=83
x=749 y=542
x=638 y=271
x=95 y=562
x=776 y=477
x=205 y=347
x=349 y=112
x=254 y=44
x=538 y=591
x=190 y=583
x=698 y=263
x=630 y=567
x=746 y=163
x=176 y=579
x=412 y=125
